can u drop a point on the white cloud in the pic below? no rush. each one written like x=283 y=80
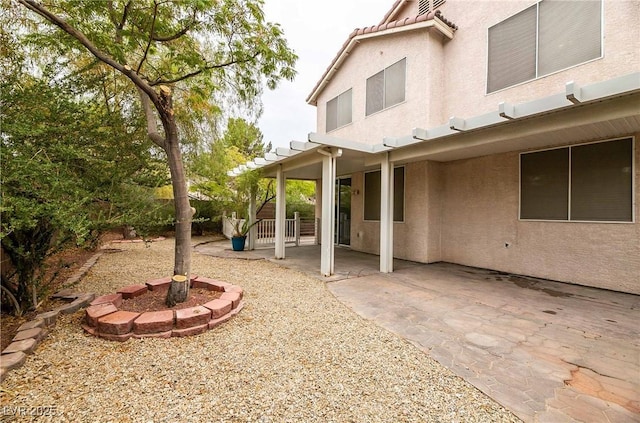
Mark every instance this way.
x=316 y=31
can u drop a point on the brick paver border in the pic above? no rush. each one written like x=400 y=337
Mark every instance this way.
x=103 y=319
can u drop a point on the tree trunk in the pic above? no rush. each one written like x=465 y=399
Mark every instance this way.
x=184 y=213
x=179 y=288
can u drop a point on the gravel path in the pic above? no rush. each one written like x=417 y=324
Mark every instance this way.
x=293 y=354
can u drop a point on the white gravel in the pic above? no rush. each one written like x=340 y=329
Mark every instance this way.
x=293 y=354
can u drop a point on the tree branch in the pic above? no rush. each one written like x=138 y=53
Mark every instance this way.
x=152 y=127
x=203 y=69
x=102 y=56
x=178 y=34
x=120 y=26
x=151 y=31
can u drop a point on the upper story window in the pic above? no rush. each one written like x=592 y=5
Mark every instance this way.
x=544 y=38
x=588 y=182
x=339 y=111
x=386 y=88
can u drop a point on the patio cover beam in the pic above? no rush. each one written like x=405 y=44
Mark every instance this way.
x=346 y=144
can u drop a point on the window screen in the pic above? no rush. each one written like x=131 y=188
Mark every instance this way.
x=375 y=93
x=569 y=34
x=591 y=182
x=394 y=83
x=601 y=181
x=387 y=87
x=372 y=195
x=344 y=108
x=332 y=114
x=544 y=38
x=544 y=179
x=338 y=111
x=512 y=50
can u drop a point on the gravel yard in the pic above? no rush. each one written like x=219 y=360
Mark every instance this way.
x=293 y=354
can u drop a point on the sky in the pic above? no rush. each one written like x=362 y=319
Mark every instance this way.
x=315 y=30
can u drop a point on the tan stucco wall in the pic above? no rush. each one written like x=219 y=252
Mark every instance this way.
x=423 y=51
x=418 y=237
x=466 y=212
x=480 y=216
x=466 y=55
x=448 y=77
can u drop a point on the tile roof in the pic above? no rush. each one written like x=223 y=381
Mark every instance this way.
x=406 y=22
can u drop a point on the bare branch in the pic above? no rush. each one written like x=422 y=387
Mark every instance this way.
x=122 y=22
x=178 y=34
x=146 y=49
x=203 y=69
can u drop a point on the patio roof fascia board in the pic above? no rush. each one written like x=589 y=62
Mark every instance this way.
x=566 y=118
x=435 y=22
x=572 y=96
x=323 y=139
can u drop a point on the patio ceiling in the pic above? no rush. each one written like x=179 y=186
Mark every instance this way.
x=603 y=110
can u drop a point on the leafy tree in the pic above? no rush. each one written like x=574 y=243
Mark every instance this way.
x=173 y=52
x=65 y=175
x=241 y=141
x=301 y=198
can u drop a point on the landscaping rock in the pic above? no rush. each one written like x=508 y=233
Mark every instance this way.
x=49 y=318
x=26 y=346
x=13 y=360
x=35 y=333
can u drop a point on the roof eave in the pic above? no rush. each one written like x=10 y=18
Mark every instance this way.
x=356 y=38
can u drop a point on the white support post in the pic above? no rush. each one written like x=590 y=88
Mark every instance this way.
x=328 y=214
x=296 y=217
x=318 y=212
x=253 y=232
x=386 y=215
x=281 y=216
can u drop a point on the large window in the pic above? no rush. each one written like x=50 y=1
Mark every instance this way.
x=386 y=88
x=339 y=111
x=589 y=182
x=544 y=38
x=372 y=195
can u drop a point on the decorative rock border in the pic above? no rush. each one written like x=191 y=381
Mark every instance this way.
x=32 y=333
x=103 y=319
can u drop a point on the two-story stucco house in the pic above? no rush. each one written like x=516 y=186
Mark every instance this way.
x=494 y=134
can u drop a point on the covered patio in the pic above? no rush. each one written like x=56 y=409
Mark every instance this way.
x=546 y=350
x=598 y=111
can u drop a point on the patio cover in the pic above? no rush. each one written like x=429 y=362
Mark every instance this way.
x=597 y=111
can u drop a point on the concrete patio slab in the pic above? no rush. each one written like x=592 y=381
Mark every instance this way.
x=548 y=351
